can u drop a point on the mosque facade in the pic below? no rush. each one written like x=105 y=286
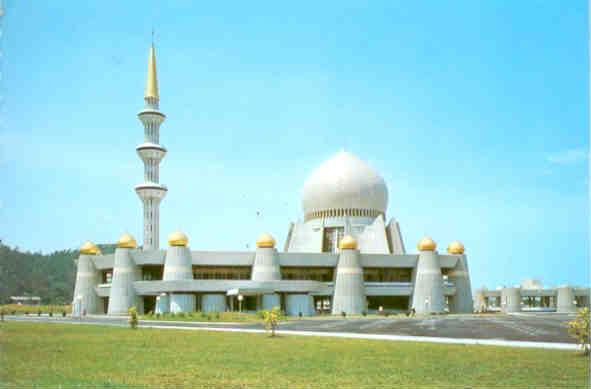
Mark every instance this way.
x=343 y=257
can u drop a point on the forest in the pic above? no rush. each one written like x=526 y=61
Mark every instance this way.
x=49 y=276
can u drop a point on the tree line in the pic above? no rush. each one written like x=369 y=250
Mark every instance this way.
x=49 y=276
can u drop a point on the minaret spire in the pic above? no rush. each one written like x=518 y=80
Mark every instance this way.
x=151 y=192
x=152 y=78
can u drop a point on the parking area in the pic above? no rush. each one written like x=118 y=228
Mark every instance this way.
x=530 y=327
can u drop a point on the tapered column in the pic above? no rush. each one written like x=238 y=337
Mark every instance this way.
x=87 y=279
x=511 y=299
x=125 y=272
x=349 y=290
x=565 y=299
x=178 y=265
x=427 y=295
x=462 y=302
x=266 y=261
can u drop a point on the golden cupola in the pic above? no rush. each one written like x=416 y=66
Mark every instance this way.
x=455 y=247
x=348 y=243
x=427 y=244
x=89 y=248
x=126 y=241
x=265 y=241
x=178 y=238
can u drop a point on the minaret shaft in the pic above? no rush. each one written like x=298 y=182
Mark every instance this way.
x=151 y=192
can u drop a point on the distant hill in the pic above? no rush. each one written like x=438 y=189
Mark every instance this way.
x=49 y=276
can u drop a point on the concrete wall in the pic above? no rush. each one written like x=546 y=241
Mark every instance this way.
x=213 y=303
x=269 y=301
x=296 y=303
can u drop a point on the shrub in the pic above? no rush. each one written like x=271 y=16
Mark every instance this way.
x=158 y=315
x=63 y=313
x=133 y=320
x=344 y=314
x=50 y=314
x=271 y=319
x=363 y=313
x=216 y=315
x=579 y=329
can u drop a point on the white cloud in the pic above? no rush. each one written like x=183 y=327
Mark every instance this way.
x=568 y=157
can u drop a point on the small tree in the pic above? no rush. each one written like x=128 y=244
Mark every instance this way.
x=271 y=319
x=579 y=329
x=133 y=321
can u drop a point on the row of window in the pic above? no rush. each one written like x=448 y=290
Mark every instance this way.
x=323 y=274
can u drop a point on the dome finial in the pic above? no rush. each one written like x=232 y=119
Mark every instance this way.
x=455 y=247
x=265 y=241
x=178 y=238
x=427 y=244
x=126 y=241
x=348 y=243
x=89 y=248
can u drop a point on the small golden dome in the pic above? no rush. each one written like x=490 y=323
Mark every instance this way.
x=89 y=248
x=348 y=243
x=178 y=239
x=126 y=241
x=455 y=247
x=426 y=244
x=265 y=241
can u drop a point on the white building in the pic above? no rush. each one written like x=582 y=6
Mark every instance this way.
x=345 y=256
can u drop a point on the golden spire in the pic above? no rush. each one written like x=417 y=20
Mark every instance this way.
x=152 y=79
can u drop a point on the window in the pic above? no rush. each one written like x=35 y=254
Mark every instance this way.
x=323 y=274
x=221 y=272
x=332 y=237
x=386 y=274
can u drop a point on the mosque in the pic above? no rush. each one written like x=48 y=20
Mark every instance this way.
x=342 y=258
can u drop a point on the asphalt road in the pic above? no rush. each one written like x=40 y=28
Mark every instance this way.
x=532 y=327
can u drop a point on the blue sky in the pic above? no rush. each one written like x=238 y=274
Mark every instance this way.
x=474 y=112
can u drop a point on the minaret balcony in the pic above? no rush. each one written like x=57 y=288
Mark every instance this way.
x=151 y=190
x=150 y=150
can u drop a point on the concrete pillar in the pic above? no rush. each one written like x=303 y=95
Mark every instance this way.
x=162 y=303
x=125 y=273
x=214 y=303
x=349 y=289
x=299 y=303
x=182 y=302
x=511 y=299
x=270 y=301
x=178 y=265
x=565 y=297
x=87 y=279
x=427 y=295
x=266 y=265
x=462 y=301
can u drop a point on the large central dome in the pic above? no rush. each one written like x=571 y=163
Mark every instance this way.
x=344 y=185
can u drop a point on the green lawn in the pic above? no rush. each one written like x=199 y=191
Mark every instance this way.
x=83 y=355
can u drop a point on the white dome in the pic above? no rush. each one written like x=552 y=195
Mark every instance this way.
x=346 y=185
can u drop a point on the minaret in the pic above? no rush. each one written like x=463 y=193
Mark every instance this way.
x=151 y=152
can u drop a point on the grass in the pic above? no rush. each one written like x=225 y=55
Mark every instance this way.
x=43 y=354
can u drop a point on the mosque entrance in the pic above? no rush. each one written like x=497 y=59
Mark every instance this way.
x=388 y=303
